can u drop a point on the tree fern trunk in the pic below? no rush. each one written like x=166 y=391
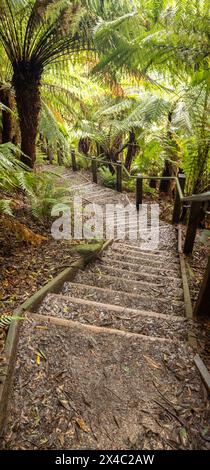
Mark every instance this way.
x=7 y=125
x=165 y=185
x=132 y=150
x=27 y=93
x=84 y=146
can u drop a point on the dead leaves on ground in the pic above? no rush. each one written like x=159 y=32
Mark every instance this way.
x=22 y=232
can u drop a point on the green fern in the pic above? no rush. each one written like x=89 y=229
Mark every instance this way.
x=5 y=207
x=6 y=320
x=108 y=179
x=44 y=194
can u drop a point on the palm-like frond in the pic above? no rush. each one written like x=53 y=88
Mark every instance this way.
x=165 y=38
x=9 y=166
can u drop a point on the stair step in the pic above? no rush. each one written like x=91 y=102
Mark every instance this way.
x=155 y=279
x=163 y=244
x=98 y=190
x=115 y=317
x=140 y=261
x=163 y=254
x=128 y=254
x=75 y=325
x=124 y=299
x=144 y=268
x=149 y=289
x=146 y=254
x=97 y=194
x=81 y=187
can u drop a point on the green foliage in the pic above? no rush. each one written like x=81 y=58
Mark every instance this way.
x=82 y=162
x=42 y=192
x=5 y=207
x=41 y=189
x=9 y=166
x=6 y=320
x=153 y=53
x=108 y=179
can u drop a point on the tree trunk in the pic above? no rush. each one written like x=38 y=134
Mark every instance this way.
x=7 y=128
x=60 y=154
x=50 y=156
x=84 y=146
x=153 y=183
x=27 y=93
x=100 y=150
x=132 y=150
x=166 y=185
x=200 y=179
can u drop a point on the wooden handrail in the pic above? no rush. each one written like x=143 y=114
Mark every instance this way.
x=203 y=197
x=202 y=306
x=195 y=201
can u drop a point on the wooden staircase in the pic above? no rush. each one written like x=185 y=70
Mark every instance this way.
x=116 y=370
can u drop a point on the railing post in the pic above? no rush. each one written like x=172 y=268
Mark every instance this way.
x=119 y=177
x=73 y=160
x=194 y=219
x=139 y=191
x=94 y=170
x=177 y=202
x=202 y=306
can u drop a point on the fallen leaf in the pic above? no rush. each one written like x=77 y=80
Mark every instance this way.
x=38 y=359
x=42 y=354
x=80 y=422
x=152 y=363
x=64 y=403
x=183 y=436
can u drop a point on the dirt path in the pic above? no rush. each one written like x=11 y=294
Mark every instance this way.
x=105 y=364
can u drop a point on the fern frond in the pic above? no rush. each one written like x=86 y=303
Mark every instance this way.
x=6 y=320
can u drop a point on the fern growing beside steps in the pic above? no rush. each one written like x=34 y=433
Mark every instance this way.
x=42 y=192
x=6 y=320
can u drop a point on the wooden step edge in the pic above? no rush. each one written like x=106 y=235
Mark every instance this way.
x=192 y=340
x=75 y=325
x=117 y=292
x=116 y=308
